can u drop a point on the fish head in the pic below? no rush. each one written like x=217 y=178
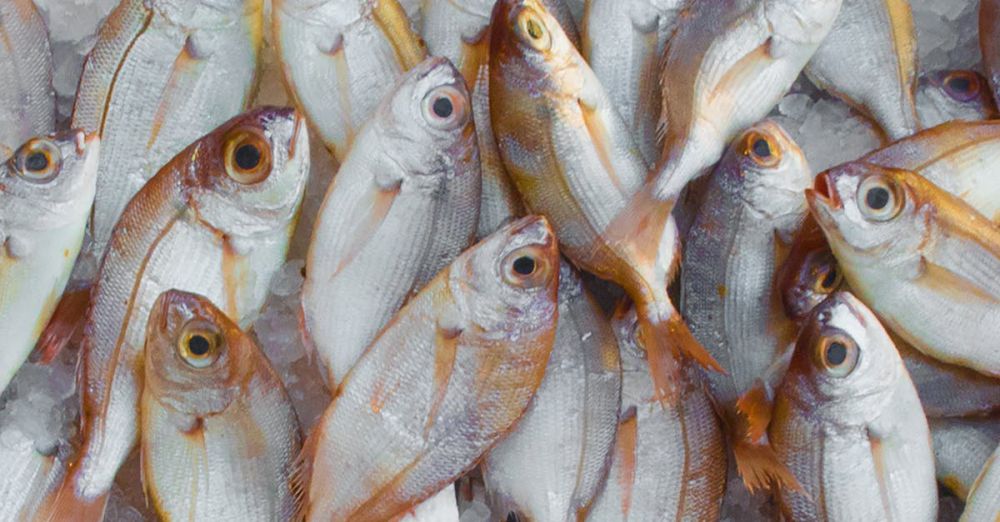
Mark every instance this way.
x=507 y=284
x=196 y=358
x=949 y=95
x=805 y=22
x=50 y=178
x=768 y=171
x=809 y=277
x=529 y=48
x=872 y=215
x=248 y=175
x=845 y=361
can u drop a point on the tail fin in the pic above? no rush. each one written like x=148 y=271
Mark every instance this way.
x=66 y=324
x=64 y=504
x=666 y=340
x=756 y=461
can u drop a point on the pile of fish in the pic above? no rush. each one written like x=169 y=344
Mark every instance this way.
x=568 y=267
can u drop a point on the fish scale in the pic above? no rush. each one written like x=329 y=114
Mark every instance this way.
x=27 y=102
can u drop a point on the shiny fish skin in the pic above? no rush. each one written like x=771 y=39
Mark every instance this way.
x=989 y=43
x=869 y=59
x=30 y=474
x=553 y=464
x=27 y=101
x=192 y=227
x=847 y=422
x=404 y=204
x=499 y=201
x=961 y=449
x=669 y=463
x=441 y=384
x=43 y=215
x=340 y=58
x=941 y=292
x=983 y=504
x=946 y=96
x=624 y=41
x=198 y=411
x=162 y=74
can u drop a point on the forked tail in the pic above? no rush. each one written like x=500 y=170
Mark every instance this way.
x=65 y=325
x=756 y=461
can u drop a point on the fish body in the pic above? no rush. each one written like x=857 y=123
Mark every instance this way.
x=983 y=504
x=404 y=204
x=46 y=190
x=624 y=43
x=219 y=435
x=30 y=474
x=989 y=43
x=946 y=96
x=669 y=463
x=925 y=261
x=216 y=220
x=869 y=59
x=552 y=465
x=340 y=58
x=27 y=101
x=847 y=422
x=442 y=383
x=961 y=448
x=161 y=75
x=459 y=31
x=499 y=201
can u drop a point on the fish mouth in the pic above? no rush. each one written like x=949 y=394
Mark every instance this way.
x=823 y=188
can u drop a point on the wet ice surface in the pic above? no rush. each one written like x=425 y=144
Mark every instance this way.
x=826 y=129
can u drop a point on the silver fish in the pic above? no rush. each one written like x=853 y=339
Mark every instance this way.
x=847 y=422
x=553 y=464
x=404 y=204
x=500 y=201
x=945 y=96
x=983 y=504
x=27 y=101
x=162 y=74
x=961 y=449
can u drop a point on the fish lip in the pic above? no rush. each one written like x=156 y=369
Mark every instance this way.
x=825 y=189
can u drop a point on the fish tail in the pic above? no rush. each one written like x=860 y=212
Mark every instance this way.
x=756 y=460
x=64 y=504
x=65 y=325
x=667 y=340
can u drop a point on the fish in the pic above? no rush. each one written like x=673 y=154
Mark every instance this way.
x=572 y=159
x=924 y=260
x=31 y=473
x=210 y=396
x=869 y=60
x=669 y=462
x=945 y=96
x=161 y=75
x=27 y=101
x=983 y=503
x=340 y=58
x=847 y=422
x=961 y=448
x=624 y=43
x=46 y=190
x=989 y=43
x=499 y=202
x=217 y=220
x=727 y=65
x=754 y=204
x=403 y=205
x=443 y=382
x=553 y=464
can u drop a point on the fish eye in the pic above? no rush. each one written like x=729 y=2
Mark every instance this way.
x=38 y=161
x=828 y=278
x=878 y=199
x=837 y=354
x=446 y=108
x=962 y=86
x=532 y=31
x=247 y=156
x=526 y=267
x=761 y=149
x=199 y=346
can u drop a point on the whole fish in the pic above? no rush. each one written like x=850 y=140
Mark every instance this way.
x=847 y=422
x=754 y=203
x=869 y=59
x=946 y=96
x=404 y=204
x=211 y=397
x=449 y=376
x=340 y=58
x=162 y=74
x=923 y=259
x=989 y=43
x=961 y=448
x=46 y=190
x=624 y=43
x=552 y=465
x=572 y=159
x=215 y=220
x=27 y=101
x=728 y=64
x=669 y=462
x=983 y=503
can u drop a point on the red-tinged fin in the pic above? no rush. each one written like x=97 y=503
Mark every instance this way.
x=756 y=461
x=446 y=344
x=625 y=453
x=380 y=205
x=881 y=476
x=65 y=325
x=64 y=505
x=174 y=91
x=754 y=411
x=301 y=475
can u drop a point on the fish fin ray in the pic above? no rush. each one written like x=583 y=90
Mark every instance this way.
x=65 y=325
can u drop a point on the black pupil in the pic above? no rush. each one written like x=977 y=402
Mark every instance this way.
x=836 y=354
x=247 y=157
x=762 y=149
x=198 y=345
x=524 y=265
x=443 y=107
x=877 y=198
x=960 y=84
x=830 y=279
x=37 y=161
